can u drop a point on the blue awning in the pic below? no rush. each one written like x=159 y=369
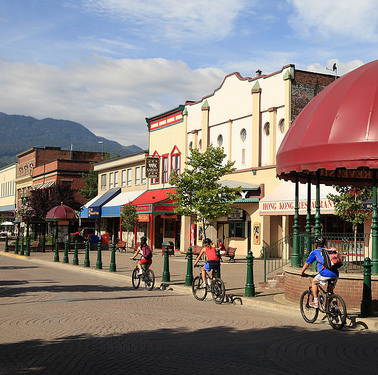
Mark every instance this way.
x=113 y=207
x=93 y=210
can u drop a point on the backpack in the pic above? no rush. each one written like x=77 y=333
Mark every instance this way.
x=332 y=259
x=146 y=251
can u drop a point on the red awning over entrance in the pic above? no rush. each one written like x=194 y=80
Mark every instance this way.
x=154 y=196
x=336 y=132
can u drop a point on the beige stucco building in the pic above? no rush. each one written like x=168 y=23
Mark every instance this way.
x=248 y=117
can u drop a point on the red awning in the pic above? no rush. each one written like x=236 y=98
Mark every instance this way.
x=154 y=196
x=336 y=131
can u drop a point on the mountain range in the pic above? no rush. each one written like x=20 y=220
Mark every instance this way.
x=20 y=133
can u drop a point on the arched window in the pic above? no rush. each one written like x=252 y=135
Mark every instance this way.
x=243 y=134
x=267 y=128
x=220 y=140
x=281 y=125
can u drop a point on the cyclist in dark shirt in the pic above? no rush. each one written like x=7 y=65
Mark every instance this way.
x=324 y=273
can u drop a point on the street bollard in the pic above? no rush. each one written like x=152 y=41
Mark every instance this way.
x=367 y=303
x=22 y=244
x=65 y=257
x=249 y=286
x=166 y=276
x=56 y=256
x=87 y=262
x=218 y=274
x=112 y=267
x=99 y=261
x=16 y=246
x=6 y=245
x=189 y=269
x=75 y=261
x=27 y=252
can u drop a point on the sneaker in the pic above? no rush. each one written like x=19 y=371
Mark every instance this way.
x=140 y=273
x=203 y=285
x=314 y=304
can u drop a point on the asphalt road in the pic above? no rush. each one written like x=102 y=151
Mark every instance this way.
x=58 y=320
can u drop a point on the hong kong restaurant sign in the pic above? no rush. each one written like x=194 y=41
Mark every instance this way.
x=287 y=207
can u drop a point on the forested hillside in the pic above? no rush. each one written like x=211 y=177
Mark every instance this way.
x=19 y=133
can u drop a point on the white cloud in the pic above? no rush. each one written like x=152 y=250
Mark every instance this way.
x=109 y=97
x=344 y=18
x=175 y=19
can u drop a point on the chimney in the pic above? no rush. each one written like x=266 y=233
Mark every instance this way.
x=258 y=73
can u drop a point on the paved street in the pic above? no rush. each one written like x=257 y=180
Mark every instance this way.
x=57 y=319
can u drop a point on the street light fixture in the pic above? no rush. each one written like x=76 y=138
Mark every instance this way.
x=102 y=149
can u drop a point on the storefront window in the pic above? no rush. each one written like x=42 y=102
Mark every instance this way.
x=236 y=229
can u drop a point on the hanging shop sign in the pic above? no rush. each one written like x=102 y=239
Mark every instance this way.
x=152 y=167
x=236 y=215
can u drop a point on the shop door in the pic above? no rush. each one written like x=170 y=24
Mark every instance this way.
x=159 y=232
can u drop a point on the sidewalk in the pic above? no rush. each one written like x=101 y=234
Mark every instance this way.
x=233 y=275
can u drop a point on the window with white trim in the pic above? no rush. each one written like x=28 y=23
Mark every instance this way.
x=143 y=178
x=116 y=179
x=137 y=175
x=123 y=176
x=103 y=181
x=129 y=174
x=111 y=180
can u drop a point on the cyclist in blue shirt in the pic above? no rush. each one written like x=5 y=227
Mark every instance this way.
x=324 y=273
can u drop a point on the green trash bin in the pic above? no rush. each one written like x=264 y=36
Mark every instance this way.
x=170 y=246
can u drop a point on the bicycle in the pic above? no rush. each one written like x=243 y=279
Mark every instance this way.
x=147 y=276
x=331 y=304
x=214 y=286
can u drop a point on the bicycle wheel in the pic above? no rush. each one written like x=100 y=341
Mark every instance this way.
x=198 y=291
x=309 y=314
x=336 y=311
x=135 y=278
x=149 y=279
x=218 y=290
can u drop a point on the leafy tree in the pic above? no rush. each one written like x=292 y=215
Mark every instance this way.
x=43 y=200
x=198 y=188
x=349 y=205
x=129 y=219
x=91 y=184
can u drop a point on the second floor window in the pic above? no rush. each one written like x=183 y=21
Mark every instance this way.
x=143 y=175
x=175 y=162
x=123 y=178
x=111 y=180
x=129 y=177
x=137 y=175
x=103 y=181
x=165 y=169
x=116 y=179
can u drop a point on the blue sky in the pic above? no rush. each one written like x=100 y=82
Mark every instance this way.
x=109 y=64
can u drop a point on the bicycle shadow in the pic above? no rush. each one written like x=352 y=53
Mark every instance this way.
x=353 y=324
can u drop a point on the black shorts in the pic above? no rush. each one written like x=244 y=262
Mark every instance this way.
x=212 y=265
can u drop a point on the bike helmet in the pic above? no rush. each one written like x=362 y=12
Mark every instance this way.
x=143 y=239
x=206 y=241
x=320 y=240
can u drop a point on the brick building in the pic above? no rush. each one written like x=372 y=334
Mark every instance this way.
x=41 y=168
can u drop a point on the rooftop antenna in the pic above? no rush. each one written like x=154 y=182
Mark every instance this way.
x=334 y=69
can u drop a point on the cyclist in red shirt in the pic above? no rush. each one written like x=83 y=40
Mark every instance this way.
x=213 y=261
